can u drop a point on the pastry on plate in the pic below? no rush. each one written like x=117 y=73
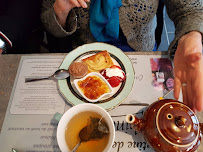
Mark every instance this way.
x=98 y=61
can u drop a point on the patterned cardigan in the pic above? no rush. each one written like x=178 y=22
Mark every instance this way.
x=137 y=19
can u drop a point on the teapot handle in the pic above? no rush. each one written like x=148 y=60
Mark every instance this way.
x=134 y=121
x=201 y=127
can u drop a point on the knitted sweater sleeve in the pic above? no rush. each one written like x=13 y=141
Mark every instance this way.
x=187 y=16
x=51 y=24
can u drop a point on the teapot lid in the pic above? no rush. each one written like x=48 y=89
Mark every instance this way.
x=177 y=124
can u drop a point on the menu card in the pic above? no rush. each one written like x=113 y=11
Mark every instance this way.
x=39 y=97
x=29 y=125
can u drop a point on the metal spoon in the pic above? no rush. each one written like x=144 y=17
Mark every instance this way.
x=82 y=138
x=59 y=74
x=95 y=133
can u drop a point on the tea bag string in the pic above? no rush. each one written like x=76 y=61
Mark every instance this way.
x=101 y=119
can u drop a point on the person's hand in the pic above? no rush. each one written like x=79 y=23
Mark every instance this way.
x=188 y=70
x=63 y=7
x=1 y=51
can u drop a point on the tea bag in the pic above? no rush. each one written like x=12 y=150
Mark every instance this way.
x=95 y=130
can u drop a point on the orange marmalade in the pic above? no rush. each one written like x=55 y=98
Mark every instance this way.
x=93 y=87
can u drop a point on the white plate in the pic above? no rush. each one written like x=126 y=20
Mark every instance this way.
x=124 y=62
x=115 y=89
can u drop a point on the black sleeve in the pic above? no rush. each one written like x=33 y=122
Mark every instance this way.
x=18 y=18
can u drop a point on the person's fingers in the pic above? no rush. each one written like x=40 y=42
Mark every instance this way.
x=184 y=93
x=199 y=102
x=75 y=3
x=197 y=89
x=82 y=3
x=195 y=62
x=198 y=99
x=177 y=87
x=1 y=51
x=190 y=96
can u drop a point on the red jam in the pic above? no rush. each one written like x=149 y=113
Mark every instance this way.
x=93 y=87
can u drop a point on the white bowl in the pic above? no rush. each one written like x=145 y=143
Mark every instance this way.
x=93 y=74
x=85 y=107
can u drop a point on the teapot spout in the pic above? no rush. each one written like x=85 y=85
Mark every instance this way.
x=134 y=121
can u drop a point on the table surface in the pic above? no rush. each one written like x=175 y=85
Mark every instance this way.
x=8 y=69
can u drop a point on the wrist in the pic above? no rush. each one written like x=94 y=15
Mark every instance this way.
x=197 y=34
x=60 y=11
x=61 y=15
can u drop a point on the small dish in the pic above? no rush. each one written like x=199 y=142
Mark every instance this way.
x=95 y=92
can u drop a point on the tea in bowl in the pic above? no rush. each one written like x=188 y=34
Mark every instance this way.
x=79 y=117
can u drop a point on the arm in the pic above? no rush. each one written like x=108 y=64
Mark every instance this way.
x=188 y=61
x=58 y=17
x=188 y=68
x=187 y=16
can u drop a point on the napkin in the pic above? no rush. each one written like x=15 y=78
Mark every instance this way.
x=104 y=19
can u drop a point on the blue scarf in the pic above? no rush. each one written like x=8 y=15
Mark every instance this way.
x=104 y=19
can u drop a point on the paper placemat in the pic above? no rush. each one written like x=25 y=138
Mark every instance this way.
x=29 y=125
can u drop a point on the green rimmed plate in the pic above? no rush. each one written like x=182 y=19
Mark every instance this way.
x=116 y=54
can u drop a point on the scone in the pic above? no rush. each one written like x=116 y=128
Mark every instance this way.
x=99 y=61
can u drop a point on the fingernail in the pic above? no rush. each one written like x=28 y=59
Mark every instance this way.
x=85 y=5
